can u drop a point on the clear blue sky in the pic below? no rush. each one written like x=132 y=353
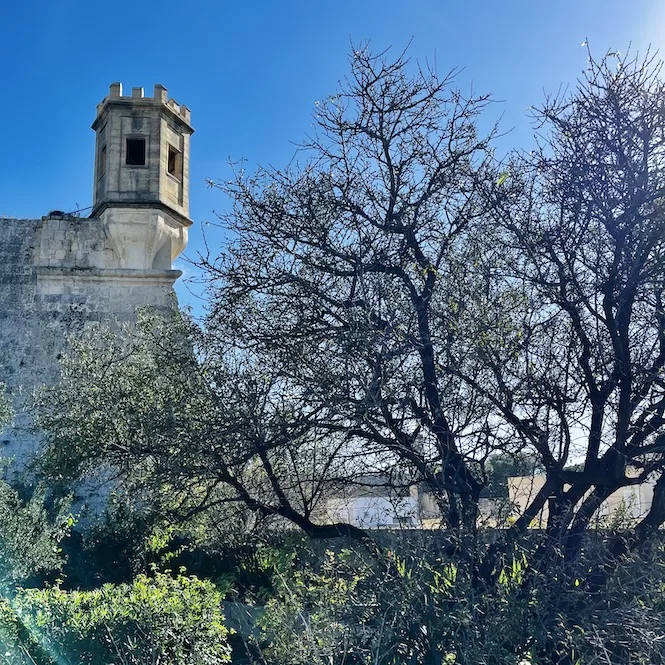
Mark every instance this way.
x=251 y=71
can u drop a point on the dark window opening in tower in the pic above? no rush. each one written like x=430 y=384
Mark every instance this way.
x=102 y=162
x=135 y=153
x=174 y=166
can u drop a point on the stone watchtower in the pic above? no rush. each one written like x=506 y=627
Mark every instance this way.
x=141 y=189
x=61 y=274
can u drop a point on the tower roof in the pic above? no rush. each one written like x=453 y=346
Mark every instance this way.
x=137 y=100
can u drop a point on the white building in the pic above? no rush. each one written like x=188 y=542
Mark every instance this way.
x=632 y=502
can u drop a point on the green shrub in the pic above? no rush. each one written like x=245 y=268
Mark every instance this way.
x=12 y=649
x=30 y=536
x=150 y=621
x=413 y=606
x=114 y=550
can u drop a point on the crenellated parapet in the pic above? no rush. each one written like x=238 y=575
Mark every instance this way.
x=138 y=99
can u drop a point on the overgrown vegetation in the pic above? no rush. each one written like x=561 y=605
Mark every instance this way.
x=415 y=605
x=408 y=306
x=152 y=620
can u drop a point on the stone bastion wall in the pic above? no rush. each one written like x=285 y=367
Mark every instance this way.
x=59 y=275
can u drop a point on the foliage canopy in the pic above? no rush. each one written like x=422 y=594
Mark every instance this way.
x=404 y=302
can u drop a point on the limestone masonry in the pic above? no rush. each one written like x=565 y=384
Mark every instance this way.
x=61 y=273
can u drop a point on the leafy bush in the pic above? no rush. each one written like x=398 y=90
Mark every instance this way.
x=30 y=536
x=12 y=649
x=354 y=609
x=411 y=606
x=150 y=621
x=113 y=550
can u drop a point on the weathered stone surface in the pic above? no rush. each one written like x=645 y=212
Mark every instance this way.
x=60 y=274
x=52 y=286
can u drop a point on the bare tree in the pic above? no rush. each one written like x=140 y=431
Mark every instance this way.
x=338 y=275
x=401 y=301
x=577 y=373
x=186 y=431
